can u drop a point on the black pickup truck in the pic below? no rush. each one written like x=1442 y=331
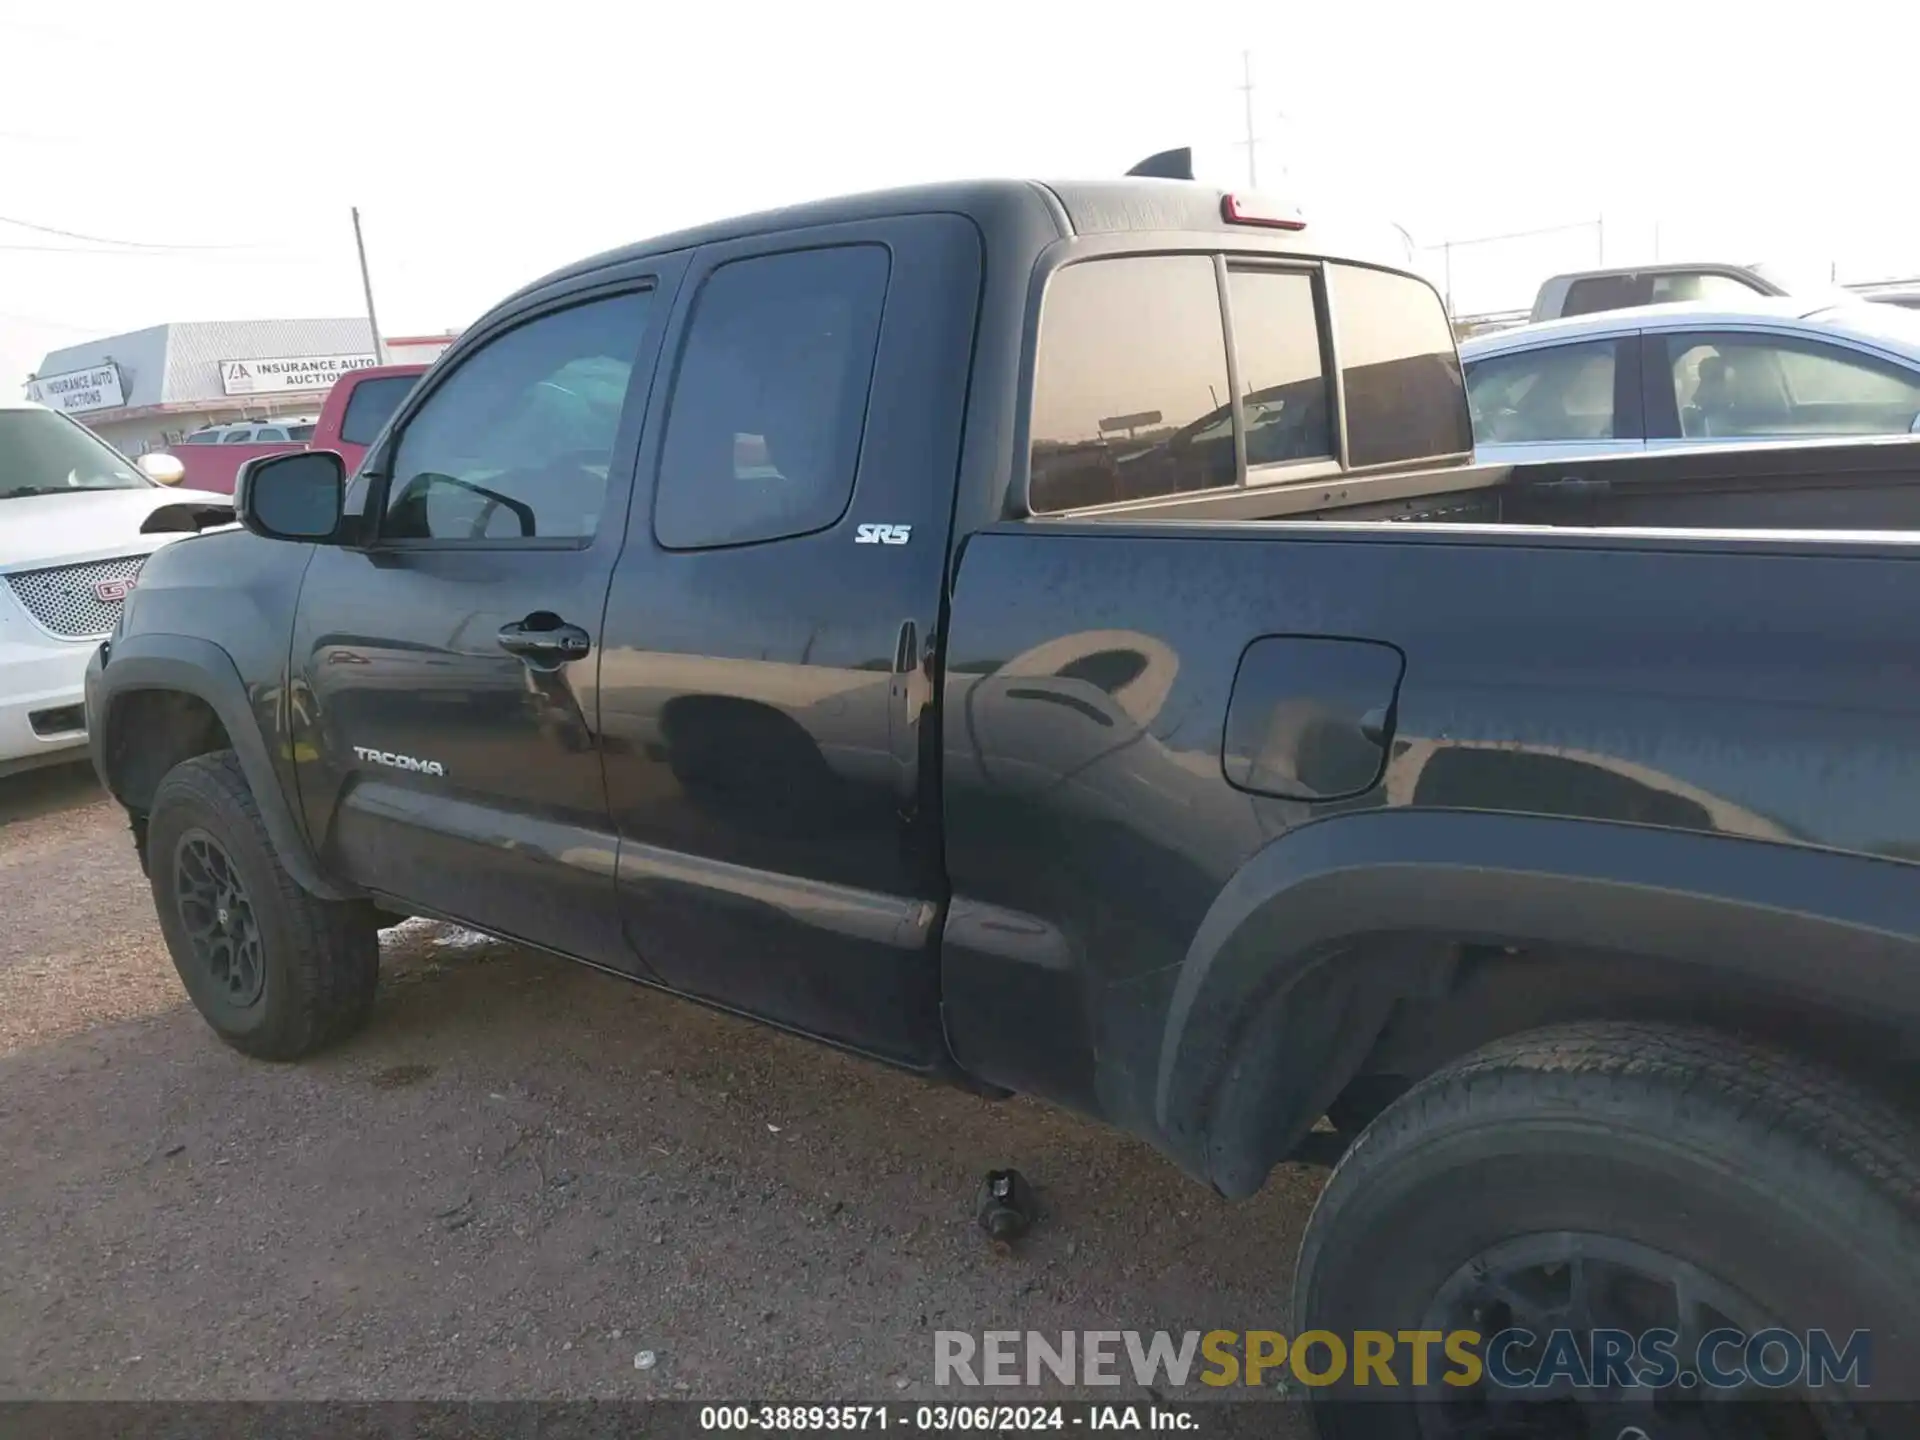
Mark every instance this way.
x=1054 y=638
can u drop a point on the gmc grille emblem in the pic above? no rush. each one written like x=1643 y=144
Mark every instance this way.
x=111 y=592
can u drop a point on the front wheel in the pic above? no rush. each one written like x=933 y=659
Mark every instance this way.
x=1626 y=1204
x=277 y=972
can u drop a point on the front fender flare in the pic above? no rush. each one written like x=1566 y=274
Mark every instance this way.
x=197 y=667
x=1262 y=984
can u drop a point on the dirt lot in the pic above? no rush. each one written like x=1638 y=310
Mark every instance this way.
x=521 y=1176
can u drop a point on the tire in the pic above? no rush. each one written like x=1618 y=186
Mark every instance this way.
x=305 y=972
x=1791 y=1192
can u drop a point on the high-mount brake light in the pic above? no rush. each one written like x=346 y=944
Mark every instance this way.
x=1259 y=210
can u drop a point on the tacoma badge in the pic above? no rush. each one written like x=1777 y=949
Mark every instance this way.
x=401 y=762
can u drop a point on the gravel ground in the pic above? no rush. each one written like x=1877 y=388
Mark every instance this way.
x=519 y=1177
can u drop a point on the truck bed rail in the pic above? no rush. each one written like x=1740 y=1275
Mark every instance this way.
x=1857 y=486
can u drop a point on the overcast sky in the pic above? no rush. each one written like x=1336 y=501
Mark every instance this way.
x=487 y=143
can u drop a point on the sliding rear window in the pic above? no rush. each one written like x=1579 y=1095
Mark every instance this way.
x=1286 y=402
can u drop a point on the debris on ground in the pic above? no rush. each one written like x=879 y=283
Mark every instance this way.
x=1006 y=1206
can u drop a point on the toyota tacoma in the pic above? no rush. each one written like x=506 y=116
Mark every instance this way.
x=1054 y=638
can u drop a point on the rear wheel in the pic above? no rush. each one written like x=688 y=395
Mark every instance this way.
x=1635 y=1179
x=277 y=972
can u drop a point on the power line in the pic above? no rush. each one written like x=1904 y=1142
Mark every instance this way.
x=204 y=258
x=90 y=250
x=1514 y=235
x=107 y=239
x=51 y=324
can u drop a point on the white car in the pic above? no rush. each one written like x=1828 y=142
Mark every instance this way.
x=71 y=546
x=1674 y=376
x=265 y=432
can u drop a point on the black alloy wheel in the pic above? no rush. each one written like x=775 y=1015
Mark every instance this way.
x=1618 y=1212
x=218 y=916
x=1582 y=1283
x=275 y=969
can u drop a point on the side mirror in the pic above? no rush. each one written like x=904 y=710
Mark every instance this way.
x=161 y=468
x=292 y=497
x=1914 y=428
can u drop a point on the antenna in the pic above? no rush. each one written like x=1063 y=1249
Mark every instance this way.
x=1246 y=88
x=1167 y=165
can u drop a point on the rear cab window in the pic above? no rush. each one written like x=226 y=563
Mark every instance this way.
x=1162 y=376
x=1607 y=292
x=1630 y=289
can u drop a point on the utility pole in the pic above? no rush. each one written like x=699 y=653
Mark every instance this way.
x=1246 y=89
x=366 y=284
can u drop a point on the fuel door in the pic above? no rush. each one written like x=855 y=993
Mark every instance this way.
x=1311 y=717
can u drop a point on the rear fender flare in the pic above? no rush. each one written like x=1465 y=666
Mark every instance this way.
x=1262 y=988
x=192 y=666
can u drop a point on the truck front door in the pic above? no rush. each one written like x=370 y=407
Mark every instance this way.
x=765 y=694
x=449 y=666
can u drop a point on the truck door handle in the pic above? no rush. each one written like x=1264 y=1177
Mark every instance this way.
x=545 y=641
x=901 y=695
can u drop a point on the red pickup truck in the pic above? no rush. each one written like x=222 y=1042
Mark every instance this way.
x=355 y=409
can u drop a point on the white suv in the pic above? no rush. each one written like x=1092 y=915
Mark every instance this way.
x=71 y=546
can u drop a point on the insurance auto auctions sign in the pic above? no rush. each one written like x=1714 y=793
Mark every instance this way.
x=291 y=372
x=79 y=391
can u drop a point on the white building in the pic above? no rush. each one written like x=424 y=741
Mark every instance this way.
x=145 y=389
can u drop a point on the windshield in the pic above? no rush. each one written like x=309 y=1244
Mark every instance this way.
x=42 y=453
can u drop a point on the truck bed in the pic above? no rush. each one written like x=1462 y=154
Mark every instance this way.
x=1168 y=701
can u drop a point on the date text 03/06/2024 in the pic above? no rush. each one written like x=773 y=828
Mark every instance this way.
x=991 y=1419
